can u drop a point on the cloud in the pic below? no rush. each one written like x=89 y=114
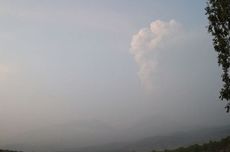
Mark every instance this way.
x=148 y=42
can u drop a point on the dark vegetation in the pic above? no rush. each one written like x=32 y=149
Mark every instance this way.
x=218 y=13
x=222 y=145
x=168 y=141
x=8 y=151
x=197 y=138
x=212 y=146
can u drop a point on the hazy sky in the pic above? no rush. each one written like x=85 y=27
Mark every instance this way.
x=118 y=62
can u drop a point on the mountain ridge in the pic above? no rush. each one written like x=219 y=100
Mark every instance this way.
x=184 y=138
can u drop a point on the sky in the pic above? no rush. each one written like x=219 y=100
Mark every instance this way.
x=117 y=63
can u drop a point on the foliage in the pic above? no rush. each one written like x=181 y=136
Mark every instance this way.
x=218 y=12
x=212 y=146
x=7 y=151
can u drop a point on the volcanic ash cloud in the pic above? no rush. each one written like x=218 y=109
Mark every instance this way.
x=147 y=43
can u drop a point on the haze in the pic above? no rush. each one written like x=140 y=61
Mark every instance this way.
x=88 y=72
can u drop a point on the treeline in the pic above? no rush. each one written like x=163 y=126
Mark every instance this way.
x=212 y=146
x=8 y=151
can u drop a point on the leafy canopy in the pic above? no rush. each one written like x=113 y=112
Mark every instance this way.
x=218 y=12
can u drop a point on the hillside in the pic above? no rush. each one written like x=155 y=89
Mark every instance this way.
x=222 y=145
x=169 y=141
x=8 y=151
x=161 y=142
x=212 y=146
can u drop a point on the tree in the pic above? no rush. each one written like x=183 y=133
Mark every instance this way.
x=218 y=12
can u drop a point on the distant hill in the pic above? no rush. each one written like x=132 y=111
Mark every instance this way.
x=212 y=146
x=8 y=151
x=166 y=141
x=161 y=142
